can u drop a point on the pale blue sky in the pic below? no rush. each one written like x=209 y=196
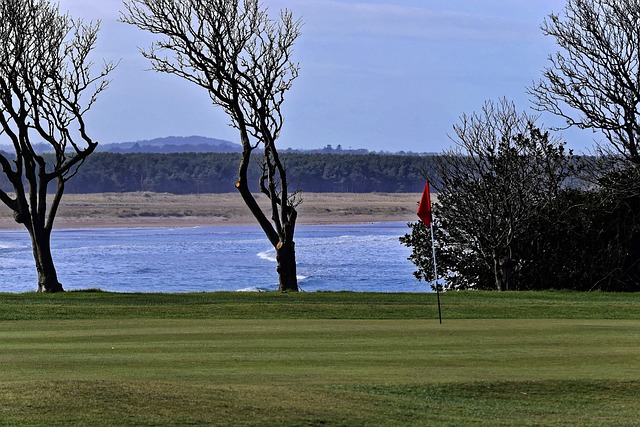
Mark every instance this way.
x=379 y=74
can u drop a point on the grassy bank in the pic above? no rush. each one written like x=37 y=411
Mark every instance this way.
x=317 y=305
x=319 y=359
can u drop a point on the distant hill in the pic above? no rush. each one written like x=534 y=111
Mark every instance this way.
x=174 y=144
x=202 y=144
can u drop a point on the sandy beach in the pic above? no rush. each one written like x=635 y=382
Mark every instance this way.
x=117 y=210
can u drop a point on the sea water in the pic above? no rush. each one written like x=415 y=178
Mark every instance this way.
x=360 y=257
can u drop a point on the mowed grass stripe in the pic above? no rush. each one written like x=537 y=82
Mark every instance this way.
x=293 y=372
x=322 y=351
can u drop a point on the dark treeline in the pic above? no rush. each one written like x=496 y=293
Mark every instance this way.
x=184 y=173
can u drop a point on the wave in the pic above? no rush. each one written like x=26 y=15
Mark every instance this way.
x=11 y=245
x=253 y=289
x=268 y=255
x=346 y=239
x=260 y=289
x=361 y=258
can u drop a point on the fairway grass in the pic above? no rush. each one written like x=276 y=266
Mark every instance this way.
x=80 y=359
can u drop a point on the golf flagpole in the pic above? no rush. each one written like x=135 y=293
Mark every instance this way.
x=435 y=271
x=424 y=212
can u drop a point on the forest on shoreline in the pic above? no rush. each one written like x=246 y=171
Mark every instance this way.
x=199 y=173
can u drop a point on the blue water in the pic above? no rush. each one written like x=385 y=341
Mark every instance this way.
x=361 y=258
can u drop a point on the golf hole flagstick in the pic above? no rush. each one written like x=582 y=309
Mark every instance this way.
x=424 y=213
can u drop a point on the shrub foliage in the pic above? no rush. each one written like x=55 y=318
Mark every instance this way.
x=509 y=215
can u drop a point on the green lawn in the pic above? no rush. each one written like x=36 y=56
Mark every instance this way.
x=90 y=358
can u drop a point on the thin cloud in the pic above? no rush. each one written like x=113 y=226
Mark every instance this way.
x=440 y=22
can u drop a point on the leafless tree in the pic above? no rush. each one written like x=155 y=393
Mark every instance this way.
x=502 y=171
x=243 y=58
x=593 y=82
x=46 y=88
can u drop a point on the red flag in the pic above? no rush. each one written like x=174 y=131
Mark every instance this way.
x=424 y=208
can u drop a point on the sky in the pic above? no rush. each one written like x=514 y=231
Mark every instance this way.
x=385 y=75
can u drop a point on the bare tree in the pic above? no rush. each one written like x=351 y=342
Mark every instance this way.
x=594 y=81
x=501 y=173
x=243 y=58
x=46 y=87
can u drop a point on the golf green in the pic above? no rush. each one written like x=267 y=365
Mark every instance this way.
x=319 y=371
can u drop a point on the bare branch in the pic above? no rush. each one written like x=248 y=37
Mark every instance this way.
x=594 y=81
x=243 y=58
x=46 y=87
x=502 y=172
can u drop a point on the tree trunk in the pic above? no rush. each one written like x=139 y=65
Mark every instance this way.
x=47 y=275
x=502 y=266
x=287 y=274
x=496 y=271
x=506 y=273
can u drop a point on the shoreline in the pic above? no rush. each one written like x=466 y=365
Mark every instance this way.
x=163 y=210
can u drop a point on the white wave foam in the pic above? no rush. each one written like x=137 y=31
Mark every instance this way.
x=301 y=277
x=6 y=245
x=252 y=289
x=269 y=255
